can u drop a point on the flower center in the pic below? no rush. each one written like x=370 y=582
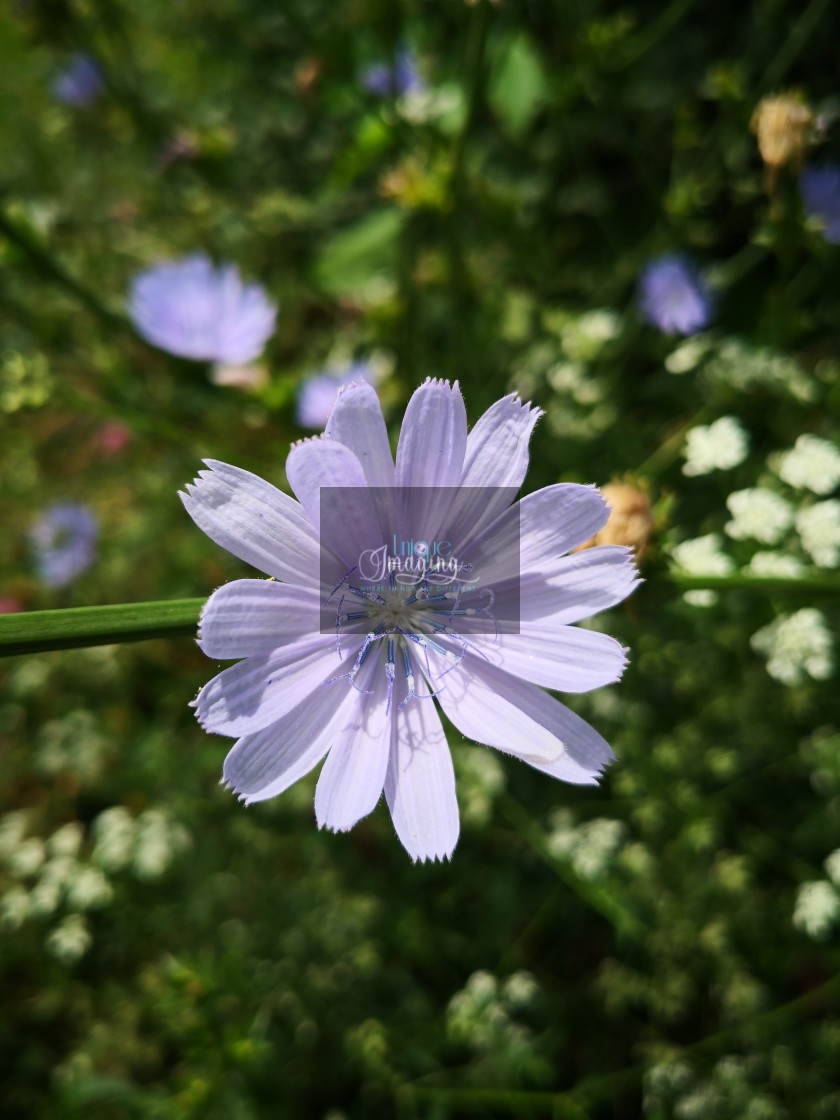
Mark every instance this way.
x=415 y=624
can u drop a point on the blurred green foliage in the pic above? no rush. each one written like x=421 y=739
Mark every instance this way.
x=644 y=948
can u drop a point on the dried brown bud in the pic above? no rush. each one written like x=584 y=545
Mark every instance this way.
x=782 y=125
x=630 y=521
x=307 y=73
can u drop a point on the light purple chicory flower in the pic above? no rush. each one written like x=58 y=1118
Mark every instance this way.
x=820 y=189
x=337 y=666
x=80 y=82
x=674 y=297
x=63 y=540
x=317 y=394
x=387 y=80
x=193 y=310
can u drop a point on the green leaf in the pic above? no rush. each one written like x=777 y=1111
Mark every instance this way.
x=37 y=631
x=517 y=86
x=357 y=259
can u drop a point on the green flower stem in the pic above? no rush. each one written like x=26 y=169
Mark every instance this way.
x=809 y=582
x=72 y=627
x=37 y=631
x=52 y=269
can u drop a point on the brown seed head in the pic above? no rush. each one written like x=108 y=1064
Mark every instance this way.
x=782 y=125
x=630 y=521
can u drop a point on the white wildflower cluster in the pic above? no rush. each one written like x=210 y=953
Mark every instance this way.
x=739 y=365
x=420 y=106
x=817 y=908
x=481 y=777
x=818 y=527
x=778 y=565
x=483 y=1014
x=579 y=406
x=579 y=409
x=583 y=337
x=796 y=646
x=806 y=533
x=688 y=354
x=735 y=1087
x=702 y=556
x=53 y=878
x=715 y=447
x=812 y=464
x=73 y=744
x=759 y=515
x=148 y=843
x=589 y=847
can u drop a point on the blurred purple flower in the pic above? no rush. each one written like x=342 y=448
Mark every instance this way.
x=79 y=83
x=820 y=188
x=388 y=80
x=360 y=689
x=193 y=310
x=317 y=394
x=674 y=296
x=63 y=540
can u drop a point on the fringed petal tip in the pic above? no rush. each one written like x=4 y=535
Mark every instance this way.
x=441 y=383
x=356 y=383
x=321 y=437
x=530 y=410
x=336 y=828
x=418 y=857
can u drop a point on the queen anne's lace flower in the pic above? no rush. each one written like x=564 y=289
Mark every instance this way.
x=193 y=310
x=819 y=530
x=758 y=515
x=715 y=447
x=811 y=464
x=796 y=646
x=363 y=689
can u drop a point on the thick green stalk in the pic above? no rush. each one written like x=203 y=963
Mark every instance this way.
x=37 y=631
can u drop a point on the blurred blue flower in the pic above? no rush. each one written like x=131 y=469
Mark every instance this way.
x=820 y=188
x=317 y=394
x=63 y=540
x=79 y=83
x=674 y=296
x=387 y=80
x=193 y=310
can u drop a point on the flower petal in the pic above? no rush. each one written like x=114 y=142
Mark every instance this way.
x=259 y=690
x=356 y=421
x=492 y=707
x=570 y=588
x=433 y=438
x=351 y=781
x=420 y=782
x=347 y=522
x=497 y=447
x=564 y=658
x=551 y=522
x=494 y=468
x=249 y=617
x=254 y=521
x=556 y=519
x=430 y=459
x=266 y=763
